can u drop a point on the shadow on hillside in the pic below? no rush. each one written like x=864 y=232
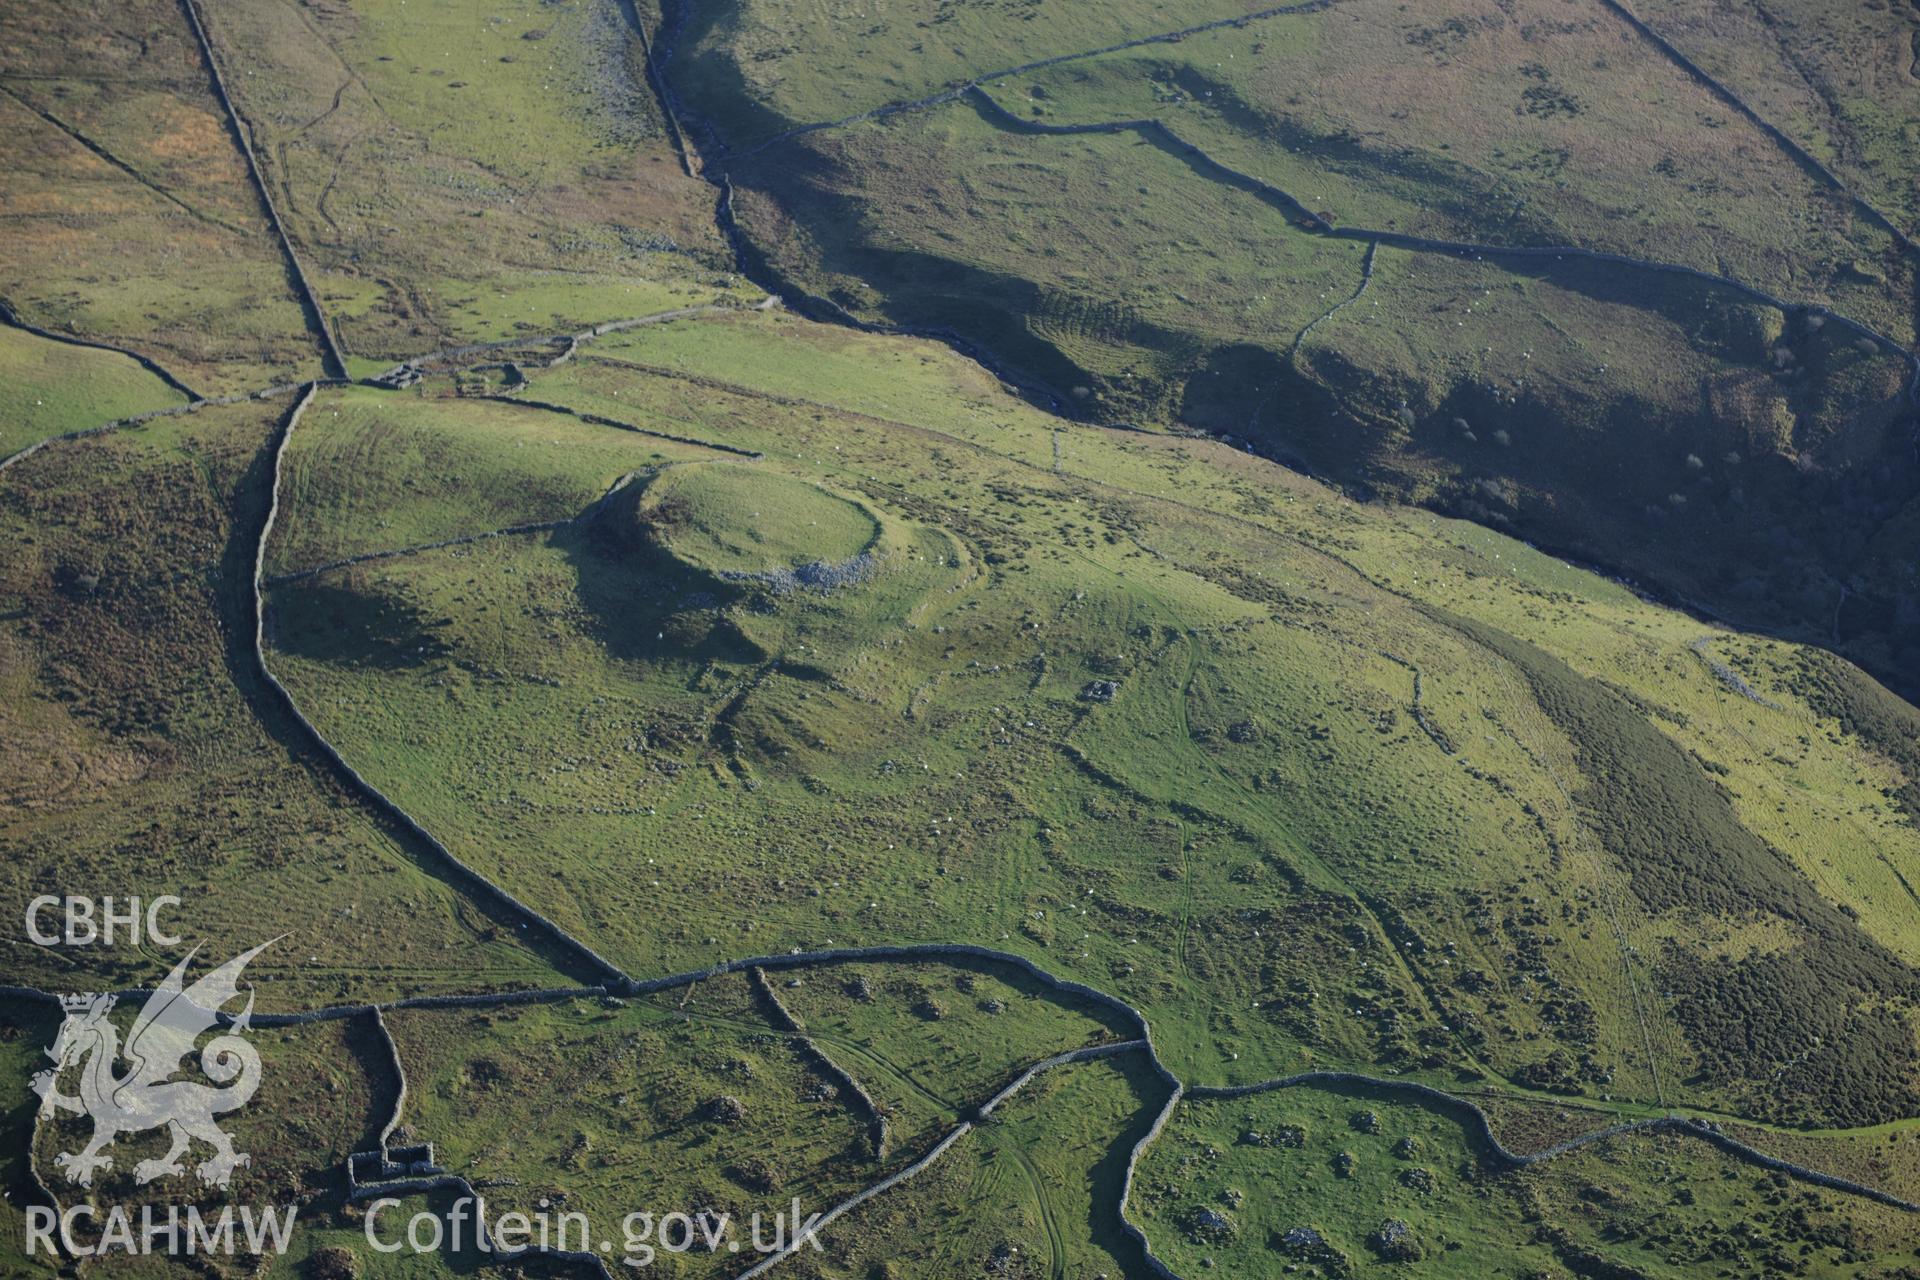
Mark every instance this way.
x=348 y=624
x=644 y=606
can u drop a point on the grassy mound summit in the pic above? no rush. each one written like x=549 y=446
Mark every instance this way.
x=737 y=521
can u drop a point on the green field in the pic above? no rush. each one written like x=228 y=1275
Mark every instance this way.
x=51 y=388
x=817 y=716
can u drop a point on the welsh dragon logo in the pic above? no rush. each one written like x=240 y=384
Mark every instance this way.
x=145 y=1096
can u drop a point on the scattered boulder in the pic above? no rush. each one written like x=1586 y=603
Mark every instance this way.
x=1206 y=1225
x=1100 y=690
x=1394 y=1242
x=755 y=1174
x=1287 y=1135
x=1006 y=1259
x=1306 y=1246
x=331 y=1262
x=725 y=1109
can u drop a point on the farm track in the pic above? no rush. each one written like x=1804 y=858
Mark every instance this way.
x=878 y=1131
x=1608 y=904
x=1609 y=901
x=1416 y=981
x=883 y=1066
x=1049 y=1219
x=1189 y=911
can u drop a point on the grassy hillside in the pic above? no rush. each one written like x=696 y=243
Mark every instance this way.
x=462 y=472
x=469 y=172
x=1841 y=84
x=51 y=388
x=622 y=624
x=1320 y=1180
x=144 y=757
x=1508 y=126
x=1172 y=233
x=938 y=747
x=1370 y=789
x=131 y=217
